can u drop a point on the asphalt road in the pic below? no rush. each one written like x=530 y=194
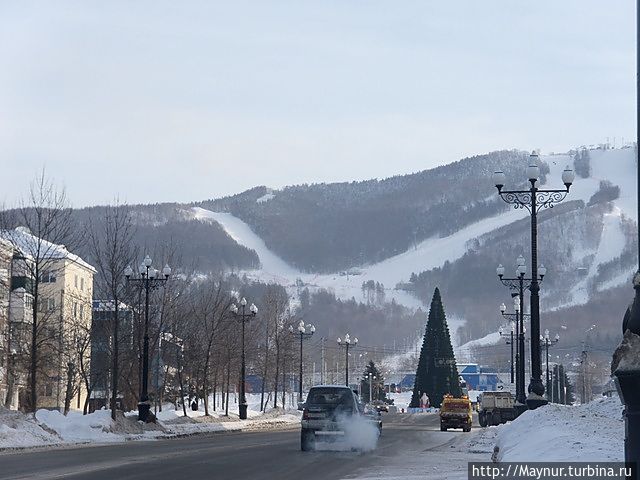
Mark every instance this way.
x=239 y=456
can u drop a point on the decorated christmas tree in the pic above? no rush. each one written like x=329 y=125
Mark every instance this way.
x=437 y=373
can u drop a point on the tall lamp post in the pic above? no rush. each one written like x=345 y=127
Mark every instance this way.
x=534 y=199
x=148 y=279
x=302 y=333
x=372 y=377
x=243 y=316
x=627 y=373
x=346 y=344
x=519 y=284
x=547 y=341
x=512 y=330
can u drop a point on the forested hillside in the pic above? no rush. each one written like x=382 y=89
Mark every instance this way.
x=201 y=246
x=330 y=227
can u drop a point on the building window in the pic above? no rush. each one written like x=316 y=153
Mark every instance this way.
x=82 y=284
x=47 y=304
x=48 y=277
x=75 y=309
x=81 y=312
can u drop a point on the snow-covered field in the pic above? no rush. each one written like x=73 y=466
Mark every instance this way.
x=48 y=428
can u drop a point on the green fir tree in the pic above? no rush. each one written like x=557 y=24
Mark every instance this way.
x=377 y=384
x=437 y=373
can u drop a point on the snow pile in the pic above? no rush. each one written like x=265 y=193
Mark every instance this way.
x=627 y=355
x=96 y=427
x=50 y=427
x=196 y=422
x=556 y=433
x=19 y=431
x=78 y=428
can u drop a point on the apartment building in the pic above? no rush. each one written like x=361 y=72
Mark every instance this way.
x=65 y=292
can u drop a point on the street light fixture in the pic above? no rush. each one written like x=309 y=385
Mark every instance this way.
x=534 y=199
x=302 y=333
x=148 y=279
x=546 y=343
x=240 y=314
x=346 y=344
x=518 y=284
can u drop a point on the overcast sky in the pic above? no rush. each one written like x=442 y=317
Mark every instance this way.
x=154 y=101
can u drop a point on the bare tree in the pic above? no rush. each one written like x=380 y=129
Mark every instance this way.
x=46 y=220
x=210 y=310
x=275 y=301
x=111 y=248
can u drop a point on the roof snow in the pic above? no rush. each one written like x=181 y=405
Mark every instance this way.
x=30 y=245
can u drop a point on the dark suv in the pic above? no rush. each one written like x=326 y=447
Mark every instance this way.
x=328 y=410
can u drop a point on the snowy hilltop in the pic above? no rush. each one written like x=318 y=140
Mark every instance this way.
x=405 y=235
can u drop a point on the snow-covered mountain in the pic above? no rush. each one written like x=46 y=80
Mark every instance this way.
x=586 y=242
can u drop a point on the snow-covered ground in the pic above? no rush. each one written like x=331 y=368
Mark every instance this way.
x=18 y=430
x=555 y=433
x=593 y=432
x=465 y=351
x=401 y=400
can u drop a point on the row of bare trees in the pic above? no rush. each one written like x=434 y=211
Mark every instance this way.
x=195 y=340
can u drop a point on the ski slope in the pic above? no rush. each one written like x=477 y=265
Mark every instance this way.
x=617 y=166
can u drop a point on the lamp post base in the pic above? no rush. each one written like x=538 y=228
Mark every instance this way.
x=144 y=412
x=626 y=370
x=534 y=401
x=627 y=383
x=520 y=408
x=242 y=411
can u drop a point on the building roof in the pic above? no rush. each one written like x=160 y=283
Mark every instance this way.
x=28 y=244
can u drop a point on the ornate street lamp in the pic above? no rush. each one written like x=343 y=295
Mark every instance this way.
x=149 y=279
x=346 y=344
x=302 y=333
x=240 y=314
x=518 y=284
x=546 y=343
x=534 y=199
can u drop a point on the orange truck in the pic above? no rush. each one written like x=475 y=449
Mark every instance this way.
x=455 y=413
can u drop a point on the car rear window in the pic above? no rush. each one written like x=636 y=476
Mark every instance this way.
x=330 y=396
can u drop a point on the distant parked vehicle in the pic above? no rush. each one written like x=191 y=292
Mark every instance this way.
x=455 y=413
x=495 y=408
x=380 y=406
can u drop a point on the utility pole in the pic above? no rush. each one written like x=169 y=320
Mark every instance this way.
x=563 y=395
x=583 y=364
x=322 y=361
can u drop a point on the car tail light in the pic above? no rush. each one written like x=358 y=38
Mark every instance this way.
x=305 y=414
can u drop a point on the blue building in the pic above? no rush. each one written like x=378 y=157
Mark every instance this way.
x=474 y=376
